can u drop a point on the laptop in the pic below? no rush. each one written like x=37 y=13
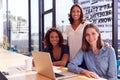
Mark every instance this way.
x=2 y=76
x=44 y=66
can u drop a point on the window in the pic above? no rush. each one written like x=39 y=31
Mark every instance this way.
x=62 y=12
x=18 y=24
x=34 y=25
x=48 y=4
x=2 y=17
x=47 y=22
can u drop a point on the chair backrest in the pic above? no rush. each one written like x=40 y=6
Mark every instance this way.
x=12 y=49
x=118 y=62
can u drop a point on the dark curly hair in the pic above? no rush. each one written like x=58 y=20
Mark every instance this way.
x=82 y=17
x=47 y=43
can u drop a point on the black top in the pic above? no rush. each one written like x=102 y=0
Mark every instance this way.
x=64 y=50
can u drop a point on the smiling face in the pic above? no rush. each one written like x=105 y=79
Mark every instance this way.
x=76 y=13
x=54 y=38
x=91 y=36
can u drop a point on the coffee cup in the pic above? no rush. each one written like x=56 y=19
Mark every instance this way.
x=28 y=64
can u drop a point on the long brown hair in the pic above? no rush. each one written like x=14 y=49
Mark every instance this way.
x=85 y=44
x=82 y=17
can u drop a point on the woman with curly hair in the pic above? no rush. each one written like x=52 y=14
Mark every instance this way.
x=54 y=45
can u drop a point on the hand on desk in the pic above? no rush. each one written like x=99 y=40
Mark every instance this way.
x=90 y=74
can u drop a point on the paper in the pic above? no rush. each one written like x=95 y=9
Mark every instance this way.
x=56 y=69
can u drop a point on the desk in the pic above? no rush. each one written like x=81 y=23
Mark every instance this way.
x=14 y=63
x=32 y=75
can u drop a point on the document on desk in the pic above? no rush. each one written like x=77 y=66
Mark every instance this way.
x=56 y=69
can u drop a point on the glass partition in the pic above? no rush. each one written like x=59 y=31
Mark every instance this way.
x=99 y=12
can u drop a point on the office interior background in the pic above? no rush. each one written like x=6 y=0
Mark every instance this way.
x=25 y=22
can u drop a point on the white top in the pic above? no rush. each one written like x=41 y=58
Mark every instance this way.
x=75 y=39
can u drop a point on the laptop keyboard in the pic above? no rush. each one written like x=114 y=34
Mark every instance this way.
x=58 y=75
x=2 y=76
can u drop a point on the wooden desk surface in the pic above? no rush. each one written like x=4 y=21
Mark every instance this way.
x=32 y=75
x=14 y=63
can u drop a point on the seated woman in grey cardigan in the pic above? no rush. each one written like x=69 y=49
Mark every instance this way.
x=100 y=60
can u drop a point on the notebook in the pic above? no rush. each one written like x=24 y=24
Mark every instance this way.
x=43 y=65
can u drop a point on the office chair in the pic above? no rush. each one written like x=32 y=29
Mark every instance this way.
x=12 y=49
x=118 y=65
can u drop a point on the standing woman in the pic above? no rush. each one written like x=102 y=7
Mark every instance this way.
x=74 y=32
x=54 y=45
x=100 y=60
